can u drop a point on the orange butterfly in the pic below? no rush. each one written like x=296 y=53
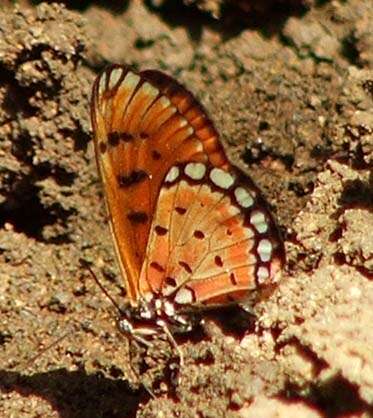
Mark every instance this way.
x=190 y=230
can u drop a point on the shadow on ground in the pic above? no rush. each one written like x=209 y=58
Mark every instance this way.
x=75 y=394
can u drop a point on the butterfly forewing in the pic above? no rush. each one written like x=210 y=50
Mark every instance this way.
x=144 y=124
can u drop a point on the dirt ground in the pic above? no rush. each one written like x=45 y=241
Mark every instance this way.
x=290 y=87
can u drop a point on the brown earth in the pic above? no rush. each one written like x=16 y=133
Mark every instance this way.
x=290 y=86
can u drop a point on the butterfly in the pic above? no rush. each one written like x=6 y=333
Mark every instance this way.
x=191 y=231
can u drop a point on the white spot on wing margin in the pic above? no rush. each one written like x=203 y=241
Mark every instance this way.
x=195 y=171
x=243 y=197
x=265 y=250
x=172 y=174
x=184 y=296
x=221 y=178
x=115 y=75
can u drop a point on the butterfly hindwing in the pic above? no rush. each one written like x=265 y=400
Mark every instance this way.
x=144 y=124
x=212 y=240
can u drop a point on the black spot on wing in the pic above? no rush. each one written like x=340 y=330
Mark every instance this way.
x=159 y=230
x=137 y=217
x=199 y=234
x=218 y=261
x=157 y=266
x=126 y=137
x=113 y=138
x=156 y=155
x=170 y=281
x=180 y=210
x=185 y=266
x=233 y=279
x=102 y=147
x=135 y=177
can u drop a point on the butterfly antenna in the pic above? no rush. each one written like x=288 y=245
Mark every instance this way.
x=31 y=361
x=103 y=290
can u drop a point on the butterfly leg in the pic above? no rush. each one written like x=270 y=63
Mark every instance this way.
x=142 y=340
x=174 y=344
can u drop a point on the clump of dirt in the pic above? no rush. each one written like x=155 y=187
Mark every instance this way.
x=293 y=102
x=44 y=119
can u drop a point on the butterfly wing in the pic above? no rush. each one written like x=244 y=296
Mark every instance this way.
x=212 y=239
x=143 y=124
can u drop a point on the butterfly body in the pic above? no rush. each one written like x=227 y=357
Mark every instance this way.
x=152 y=317
x=191 y=230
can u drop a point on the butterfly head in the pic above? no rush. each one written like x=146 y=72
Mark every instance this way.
x=152 y=316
